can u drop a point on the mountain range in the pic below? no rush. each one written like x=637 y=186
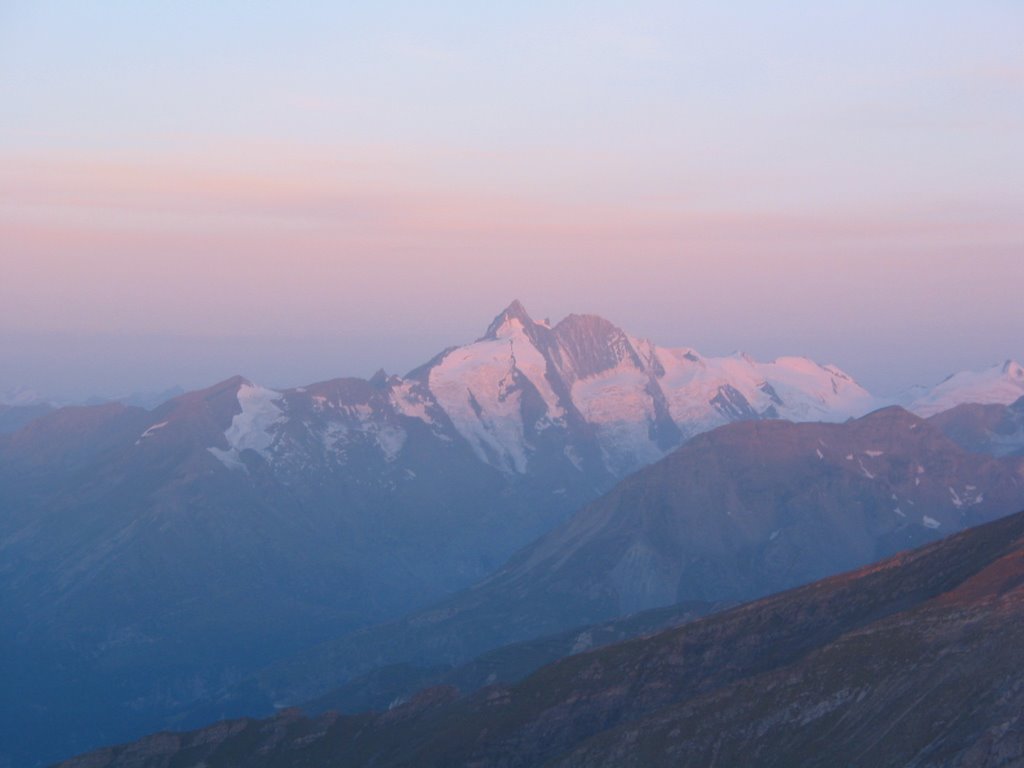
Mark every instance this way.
x=582 y=396
x=154 y=558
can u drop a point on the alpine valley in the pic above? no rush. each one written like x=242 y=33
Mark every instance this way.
x=239 y=548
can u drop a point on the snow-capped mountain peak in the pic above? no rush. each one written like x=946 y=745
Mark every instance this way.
x=527 y=397
x=530 y=395
x=514 y=314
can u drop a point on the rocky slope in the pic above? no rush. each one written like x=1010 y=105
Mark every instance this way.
x=913 y=661
x=579 y=396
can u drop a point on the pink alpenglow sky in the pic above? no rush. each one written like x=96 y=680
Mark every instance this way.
x=193 y=190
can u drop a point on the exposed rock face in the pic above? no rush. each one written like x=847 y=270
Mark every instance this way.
x=914 y=660
x=737 y=513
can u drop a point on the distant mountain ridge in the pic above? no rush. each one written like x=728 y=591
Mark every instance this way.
x=611 y=402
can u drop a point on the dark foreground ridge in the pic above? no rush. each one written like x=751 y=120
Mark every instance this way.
x=914 y=660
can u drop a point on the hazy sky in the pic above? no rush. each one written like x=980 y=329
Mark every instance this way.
x=296 y=191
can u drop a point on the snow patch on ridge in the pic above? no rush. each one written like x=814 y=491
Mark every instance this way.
x=409 y=402
x=251 y=428
x=149 y=432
